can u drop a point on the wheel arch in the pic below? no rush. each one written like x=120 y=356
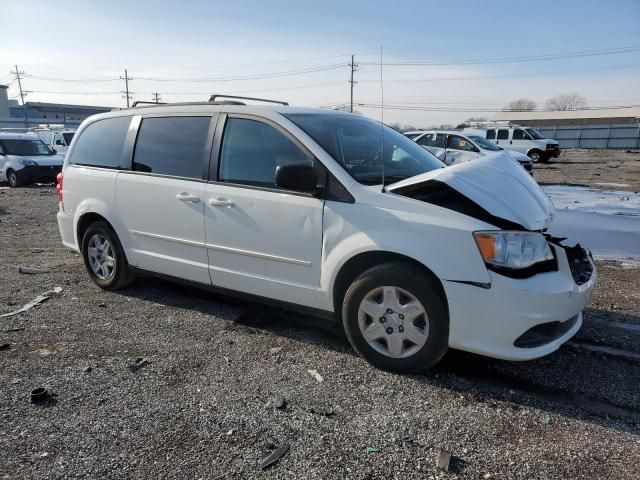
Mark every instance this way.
x=361 y=262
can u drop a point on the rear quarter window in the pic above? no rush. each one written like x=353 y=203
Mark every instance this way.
x=101 y=143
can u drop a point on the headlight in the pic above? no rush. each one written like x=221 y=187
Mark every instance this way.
x=513 y=249
x=28 y=163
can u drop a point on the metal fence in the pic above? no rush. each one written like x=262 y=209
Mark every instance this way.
x=616 y=135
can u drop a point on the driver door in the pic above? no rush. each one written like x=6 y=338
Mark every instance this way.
x=459 y=150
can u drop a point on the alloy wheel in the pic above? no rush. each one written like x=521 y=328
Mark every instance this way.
x=101 y=257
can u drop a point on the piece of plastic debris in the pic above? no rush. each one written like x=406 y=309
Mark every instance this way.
x=275 y=349
x=11 y=330
x=87 y=369
x=5 y=346
x=444 y=460
x=372 y=450
x=324 y=411
x=32 y=270
x=230 y=432
x=102 y=305
x=487 y=476
x=39 y=395
x=316 y=375
x=139 y=363
x=275 y=456
x=36 y=301
x=279 y=402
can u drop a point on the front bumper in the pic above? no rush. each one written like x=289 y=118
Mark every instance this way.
x=41 y=172
x=554 y=152
x=493 y=321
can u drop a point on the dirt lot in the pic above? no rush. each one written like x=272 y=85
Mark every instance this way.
x=162 y=381
x=603 y=169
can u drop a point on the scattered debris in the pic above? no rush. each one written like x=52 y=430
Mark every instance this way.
x=372 y=450
x=275 y=456
x=316 y=375
x=87 y=369
x=102 y=305
x=39 y=395
x=444 y=460
x=275 y=349
x=487 y=476
x=324 y=411
x=230 y=432
x=32 y=270
x=11 y=330
x=36 y=301
x=139 y=363
x=5 y=346
x=279 y=402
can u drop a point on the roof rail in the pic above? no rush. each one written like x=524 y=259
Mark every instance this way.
x=143 y=102
x=212 y=98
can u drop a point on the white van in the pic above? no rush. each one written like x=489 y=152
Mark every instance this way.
x=25 y=159
x=455 y=146
x=56 y=139
x=330 y=213
x=525 y=140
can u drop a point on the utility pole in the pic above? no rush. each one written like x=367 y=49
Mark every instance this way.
x=126 y=79
x=354 y=68
x=17 y=73
x=156 y=97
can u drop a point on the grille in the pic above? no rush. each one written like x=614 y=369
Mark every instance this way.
x=544 y=333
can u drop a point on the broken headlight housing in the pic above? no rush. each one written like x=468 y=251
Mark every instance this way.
x=513 y=250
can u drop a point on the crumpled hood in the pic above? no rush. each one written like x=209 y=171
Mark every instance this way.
x=495 y=184
x=42 y=160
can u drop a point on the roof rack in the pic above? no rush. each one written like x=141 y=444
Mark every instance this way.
x=212 y=98
x=144 y=102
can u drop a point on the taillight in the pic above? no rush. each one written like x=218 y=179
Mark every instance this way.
x=59 y=186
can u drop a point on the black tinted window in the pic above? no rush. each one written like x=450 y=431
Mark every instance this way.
x=251 y=151
x=101 y=143
x=503 y=134
x=491 y=134
x=518 y=134
x=432 y=140
x=172 y=146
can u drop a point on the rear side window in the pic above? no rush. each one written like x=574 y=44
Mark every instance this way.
x=172 y=146
x=491 y=134
x=518 y=134
x=503 y=134
x=101 y=143
x=432 y=140
x=252 y=150
x=459 y=143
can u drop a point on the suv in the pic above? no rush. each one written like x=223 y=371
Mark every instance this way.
x=25 y=159
x=525 y=140
x=330 y=213
x=57 y=140
x=455 y=147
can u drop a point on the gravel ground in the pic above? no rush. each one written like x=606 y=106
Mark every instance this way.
x=600 y=169
x=164 y=381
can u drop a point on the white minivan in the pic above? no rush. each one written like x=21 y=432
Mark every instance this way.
x=330 y=213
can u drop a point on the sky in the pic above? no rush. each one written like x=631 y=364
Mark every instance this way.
x=76 y=52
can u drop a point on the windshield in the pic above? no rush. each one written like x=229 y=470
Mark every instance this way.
x=484 y=143
x=24 y=148
x=68 y=137
x=356 y=144
x=535 y=134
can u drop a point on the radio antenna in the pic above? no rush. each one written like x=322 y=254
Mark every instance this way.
x=382 y=118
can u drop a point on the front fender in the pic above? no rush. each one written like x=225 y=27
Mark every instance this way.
x=449 y=251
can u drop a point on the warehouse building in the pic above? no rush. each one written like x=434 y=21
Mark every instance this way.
x=622 y=115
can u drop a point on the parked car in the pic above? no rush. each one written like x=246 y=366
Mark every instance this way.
x=454 y=146
x=24 y=159
x=288 y=206
x=56 y=139
x=525 y=140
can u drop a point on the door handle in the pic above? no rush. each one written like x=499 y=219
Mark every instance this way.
x=187 y=197
x=220 y=202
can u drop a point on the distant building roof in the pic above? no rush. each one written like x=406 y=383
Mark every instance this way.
x=4 y=86
x=594 y=113
x=43 y=105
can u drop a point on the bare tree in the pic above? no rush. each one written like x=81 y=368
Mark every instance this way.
x=520 y=105
x=566 y=101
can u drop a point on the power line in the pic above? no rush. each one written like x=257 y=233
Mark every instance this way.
x=533 y=58
x=17 y=73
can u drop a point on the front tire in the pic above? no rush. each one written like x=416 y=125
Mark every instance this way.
x=104 y=257
x=14 y=179
x=536 y=156
x=395 y=317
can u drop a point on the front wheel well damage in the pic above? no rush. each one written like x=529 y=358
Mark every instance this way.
x=364 y=261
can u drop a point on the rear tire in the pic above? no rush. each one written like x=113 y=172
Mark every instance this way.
x=14 y=179
x=104 y=257
x=403 y=332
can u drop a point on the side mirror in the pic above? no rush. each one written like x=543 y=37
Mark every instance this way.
x=299 y=177
x=54 y=151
